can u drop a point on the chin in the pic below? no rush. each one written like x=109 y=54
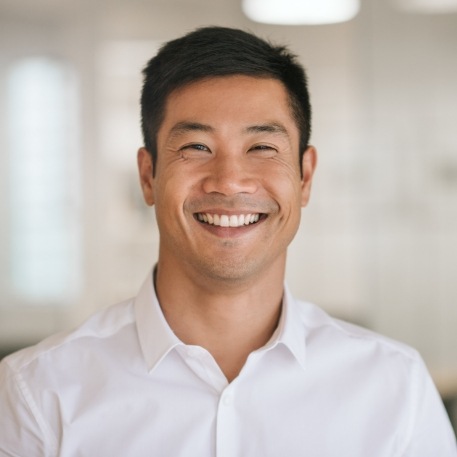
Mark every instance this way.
x=232 y=271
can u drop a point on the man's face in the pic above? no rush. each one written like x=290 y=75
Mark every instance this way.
x=227 y=188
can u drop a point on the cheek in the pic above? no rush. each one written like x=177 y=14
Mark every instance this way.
x=171 y=191
x=285 y=186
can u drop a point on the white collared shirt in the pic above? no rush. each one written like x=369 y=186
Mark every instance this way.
x=123 y=384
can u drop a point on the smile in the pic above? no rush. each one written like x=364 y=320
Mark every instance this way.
x=224 y=220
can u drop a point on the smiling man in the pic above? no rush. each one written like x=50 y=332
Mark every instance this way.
x=214 y=357
x=228 y=185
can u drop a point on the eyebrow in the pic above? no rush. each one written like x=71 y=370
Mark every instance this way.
x=272 y=127
x=186 y=126
x=189 y=126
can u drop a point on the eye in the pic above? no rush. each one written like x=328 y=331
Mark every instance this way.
x=196 y=146
x=194 y=150
x=264 y=150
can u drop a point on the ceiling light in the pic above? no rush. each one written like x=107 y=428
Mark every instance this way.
x=296 y=12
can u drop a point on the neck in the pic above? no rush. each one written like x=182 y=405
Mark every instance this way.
x=228 y=318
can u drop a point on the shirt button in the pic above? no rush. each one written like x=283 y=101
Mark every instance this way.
x=227 y=399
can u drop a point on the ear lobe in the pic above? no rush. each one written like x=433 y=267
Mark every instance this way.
x=145 y=170
x=308 y=165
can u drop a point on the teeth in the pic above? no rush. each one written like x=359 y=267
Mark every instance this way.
x=224 y=220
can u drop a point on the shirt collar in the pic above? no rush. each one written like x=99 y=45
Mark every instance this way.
x=291 y=331
x=155 y=335
x=157 y=339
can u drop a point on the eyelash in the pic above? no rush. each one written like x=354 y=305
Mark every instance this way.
x=203 y=148
x=197 y=146
x=263 y=147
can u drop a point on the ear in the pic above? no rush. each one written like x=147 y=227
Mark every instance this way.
x=308 y=165
x=145 y=170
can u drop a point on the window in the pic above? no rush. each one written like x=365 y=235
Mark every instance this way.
x=44 y=185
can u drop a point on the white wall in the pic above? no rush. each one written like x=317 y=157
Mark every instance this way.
x=378 y=242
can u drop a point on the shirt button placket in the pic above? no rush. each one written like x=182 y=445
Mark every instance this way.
x=227 y=399
x=226 y=438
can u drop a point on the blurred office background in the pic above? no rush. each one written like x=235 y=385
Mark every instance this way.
x=378 y=243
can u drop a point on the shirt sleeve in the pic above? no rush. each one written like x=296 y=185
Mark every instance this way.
x=22 y=432
x=431 y=430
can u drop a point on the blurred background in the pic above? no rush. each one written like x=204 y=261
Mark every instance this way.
x=378 y=243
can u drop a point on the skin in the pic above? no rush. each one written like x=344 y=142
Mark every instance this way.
x=227 y=145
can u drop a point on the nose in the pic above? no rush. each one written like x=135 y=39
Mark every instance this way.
x=229 y=175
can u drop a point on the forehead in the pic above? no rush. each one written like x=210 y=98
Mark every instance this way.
x=236 y=97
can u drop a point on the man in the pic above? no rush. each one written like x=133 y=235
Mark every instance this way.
x=214 y=357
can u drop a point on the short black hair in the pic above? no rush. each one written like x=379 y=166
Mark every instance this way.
x=213 y=52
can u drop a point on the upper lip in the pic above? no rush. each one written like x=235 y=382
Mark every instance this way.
x=234 y=205
x=228 y=212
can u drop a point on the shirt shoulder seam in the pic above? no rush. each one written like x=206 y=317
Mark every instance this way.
x=50 y=439
x=362 y=333
x=23 y=358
